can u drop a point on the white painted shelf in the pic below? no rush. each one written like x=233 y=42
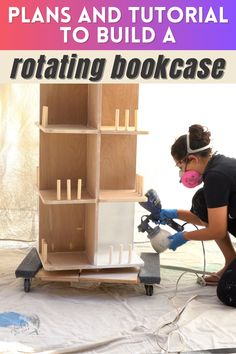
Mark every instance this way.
x=103 y=259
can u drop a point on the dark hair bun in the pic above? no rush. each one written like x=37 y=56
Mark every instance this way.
x=199 y=133
x=199 y=137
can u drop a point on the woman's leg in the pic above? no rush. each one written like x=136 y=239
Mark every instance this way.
x=199 y=208
x=228 y=251
x=226 y=289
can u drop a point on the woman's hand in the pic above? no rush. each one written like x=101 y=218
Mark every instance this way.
x=168 y=214
x=177 y=240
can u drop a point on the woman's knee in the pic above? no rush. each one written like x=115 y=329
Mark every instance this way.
x=226 y=289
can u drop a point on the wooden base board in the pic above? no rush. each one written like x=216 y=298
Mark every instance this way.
x=63 y=276
x=125 y=276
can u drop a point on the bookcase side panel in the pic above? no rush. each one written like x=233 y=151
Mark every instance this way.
x=91 y=231
x=92 y=165
x=94 y=105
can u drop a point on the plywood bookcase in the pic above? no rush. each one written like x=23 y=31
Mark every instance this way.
x=88 y=134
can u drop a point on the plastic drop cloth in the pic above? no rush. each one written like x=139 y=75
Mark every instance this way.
x=109 y=318
x=19 y=107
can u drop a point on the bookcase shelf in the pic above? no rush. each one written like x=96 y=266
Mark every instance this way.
x=67 y=129
x=122 y=131
x=50 y=197
x=121 y=196
x=66 y=261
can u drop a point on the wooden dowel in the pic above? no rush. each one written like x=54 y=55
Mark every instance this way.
x=45 y=116
x=130 y=253
x=121 y=252
x=58 y=189
x=126 y=119
x=141 y=185
x=68 y=189
x=137 y=184
x=110 y=254
x=37 y=176
x=117 y=119
x=44 y=250
x=50 y=218
x=42 y=243
x=136 y=120
x=79 y=185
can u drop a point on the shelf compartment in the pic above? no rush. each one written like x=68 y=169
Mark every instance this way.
x=121 y=196
x=50 y=197
x=115 y=236
x=70 y=104
x=67 y=129
x=68 y=230
x=73 y=157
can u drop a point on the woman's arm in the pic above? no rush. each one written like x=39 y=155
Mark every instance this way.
x=189 y=217
x=216 y=228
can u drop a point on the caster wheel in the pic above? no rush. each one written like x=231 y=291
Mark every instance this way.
x=27 y=283
x=149 y=289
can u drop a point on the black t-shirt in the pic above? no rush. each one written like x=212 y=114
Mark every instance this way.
x=219 y=180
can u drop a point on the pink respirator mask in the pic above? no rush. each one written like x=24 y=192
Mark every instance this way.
x=190 y=179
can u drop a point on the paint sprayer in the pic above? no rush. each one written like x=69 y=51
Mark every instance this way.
x=157 y=236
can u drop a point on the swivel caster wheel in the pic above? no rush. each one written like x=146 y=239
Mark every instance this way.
x=149 y=289
x=27 y=284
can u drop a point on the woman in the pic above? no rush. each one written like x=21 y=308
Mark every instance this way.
x=214 y=205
